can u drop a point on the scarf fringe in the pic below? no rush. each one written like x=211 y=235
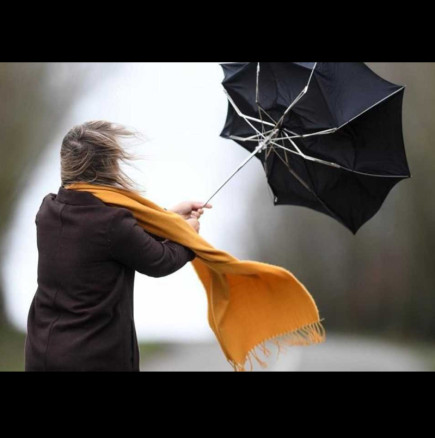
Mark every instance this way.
x=313 y=333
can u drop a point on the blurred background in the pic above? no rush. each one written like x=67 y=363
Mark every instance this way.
x=375 y=290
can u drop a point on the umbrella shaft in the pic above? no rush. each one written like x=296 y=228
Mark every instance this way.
x=259 y=148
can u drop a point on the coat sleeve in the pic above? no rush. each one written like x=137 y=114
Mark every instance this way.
x=134 y=247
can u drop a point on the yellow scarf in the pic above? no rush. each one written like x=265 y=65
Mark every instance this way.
x=249 y=302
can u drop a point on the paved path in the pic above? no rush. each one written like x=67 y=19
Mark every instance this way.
x=338 y=353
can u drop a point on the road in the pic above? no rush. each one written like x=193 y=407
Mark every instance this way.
x=338 y=353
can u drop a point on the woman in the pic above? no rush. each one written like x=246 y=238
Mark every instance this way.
x=81 y=317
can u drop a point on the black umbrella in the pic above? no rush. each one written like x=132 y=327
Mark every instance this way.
x=329 y=135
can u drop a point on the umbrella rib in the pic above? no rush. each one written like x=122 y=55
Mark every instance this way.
x=298 y=98
x=267 y=114
x=257 y=97
x=285 y=155
x=255 y=137
x=307 y=157
x=370 y=107
x=257 y=101
x=244 y=116
x=312 y=73
x=323 y=132
x=296 y=175
x=256 y=85
x=306 y=169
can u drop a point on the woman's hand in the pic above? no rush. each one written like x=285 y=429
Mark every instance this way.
x=194 y=222
x=189 y=209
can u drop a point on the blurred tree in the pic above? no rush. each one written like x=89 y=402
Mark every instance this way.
x=35 y=98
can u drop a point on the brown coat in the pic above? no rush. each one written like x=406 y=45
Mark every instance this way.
x=81 y=317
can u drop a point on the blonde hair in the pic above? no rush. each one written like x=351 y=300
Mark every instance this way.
x=91 y=153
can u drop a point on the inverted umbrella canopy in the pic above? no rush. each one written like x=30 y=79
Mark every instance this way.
x=329 y=135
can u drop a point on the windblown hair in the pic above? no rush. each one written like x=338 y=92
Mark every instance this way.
x=92 y=153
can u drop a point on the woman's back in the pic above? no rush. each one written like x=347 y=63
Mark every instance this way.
x=81 y=317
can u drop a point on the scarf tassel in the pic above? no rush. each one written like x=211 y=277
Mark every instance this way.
x=313 y=333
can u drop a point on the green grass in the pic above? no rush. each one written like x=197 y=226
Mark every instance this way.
x=148 y=349
x=426 y=350
x=12 y=349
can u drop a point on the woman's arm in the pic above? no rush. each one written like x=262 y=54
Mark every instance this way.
x=133 y=246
